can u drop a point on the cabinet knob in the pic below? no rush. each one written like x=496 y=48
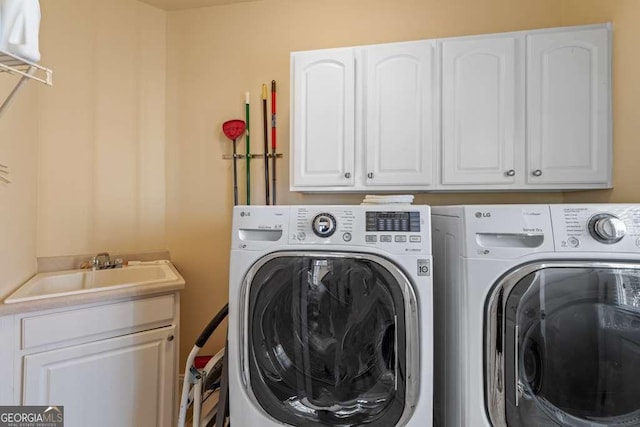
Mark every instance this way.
x=170 y=338
x=370 y=175
x=537 y=172
x=347 y=175
x=510 y=172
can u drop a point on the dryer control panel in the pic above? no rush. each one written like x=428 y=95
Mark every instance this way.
x=601 y=228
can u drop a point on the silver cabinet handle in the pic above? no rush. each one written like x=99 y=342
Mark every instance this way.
x=510 y=172
x=370 y=175
x=537 y=172
x=347 y=175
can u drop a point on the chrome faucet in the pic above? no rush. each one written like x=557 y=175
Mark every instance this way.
x=103 y=261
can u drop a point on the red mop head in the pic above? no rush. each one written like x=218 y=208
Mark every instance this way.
x=233 y=128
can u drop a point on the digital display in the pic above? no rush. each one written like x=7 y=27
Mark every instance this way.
x=393 y=221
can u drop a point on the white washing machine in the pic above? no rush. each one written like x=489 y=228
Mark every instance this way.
x=330 y=316
x=537 y=315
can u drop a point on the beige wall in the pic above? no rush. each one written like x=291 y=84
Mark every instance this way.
x=625 y=15
x=18 y=151
x=217 y=54
x=101 y=183
x=87 y=157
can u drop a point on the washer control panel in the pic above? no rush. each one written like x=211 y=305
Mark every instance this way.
x=614 y=228
x=390 y=228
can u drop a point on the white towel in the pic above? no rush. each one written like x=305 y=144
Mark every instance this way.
x=20 y=28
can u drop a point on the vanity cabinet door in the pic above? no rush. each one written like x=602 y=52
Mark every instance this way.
x=568 y=107
x=482 y=111
x=125 y=381
x=6 y=361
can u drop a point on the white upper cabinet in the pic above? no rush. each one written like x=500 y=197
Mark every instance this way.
x=568 y=106
x=482 y=111
x=398 y=120
x=528 y=110
x=323 y=118
x=387 y=141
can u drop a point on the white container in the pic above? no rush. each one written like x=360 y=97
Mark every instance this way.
x=20 y=28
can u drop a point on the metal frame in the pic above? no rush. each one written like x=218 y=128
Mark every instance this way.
x=494 y=375
x=13 y=64
x=411 y=321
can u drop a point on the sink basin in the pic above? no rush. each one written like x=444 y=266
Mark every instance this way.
x=72 y=282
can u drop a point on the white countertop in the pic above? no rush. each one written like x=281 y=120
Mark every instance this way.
x=103 y=295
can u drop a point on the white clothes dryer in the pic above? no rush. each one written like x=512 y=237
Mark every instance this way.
x=330 y=316
x=537 y=315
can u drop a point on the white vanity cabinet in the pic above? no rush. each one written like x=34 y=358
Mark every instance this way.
x=6 y=361
x=107 y=364
x=363 y=118
x=546 y=125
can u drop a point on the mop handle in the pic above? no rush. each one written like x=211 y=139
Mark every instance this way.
x=273 y=137
x=235 y=176
x=248 y=149
x=266 y=144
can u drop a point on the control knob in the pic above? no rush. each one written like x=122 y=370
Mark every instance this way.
x=607 y=228
x=324 y=225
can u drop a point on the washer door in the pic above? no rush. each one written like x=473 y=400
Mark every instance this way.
x=572 y=347
x=331 y=339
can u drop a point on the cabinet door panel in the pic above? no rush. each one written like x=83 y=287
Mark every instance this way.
x=323 y=118
x=568 y=107
x=124 y=381
x=481 y=107
x=398 y=93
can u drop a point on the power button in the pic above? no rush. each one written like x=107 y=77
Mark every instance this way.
x=573 y=242
x=346 y=237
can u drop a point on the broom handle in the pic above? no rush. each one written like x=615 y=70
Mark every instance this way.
x=235 y=176
x=266 y=143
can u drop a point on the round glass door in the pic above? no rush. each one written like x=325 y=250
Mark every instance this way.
x=327 y=340
x=572 y=348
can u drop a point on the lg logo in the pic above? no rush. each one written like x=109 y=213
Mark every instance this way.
x=483 y=214
x=243 y=213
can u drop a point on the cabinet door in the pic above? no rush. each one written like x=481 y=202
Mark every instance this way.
x=124 y=381
x=6 y=361
x=482 y=110
x=568 y=107
x=323 y=118
x=398 y=104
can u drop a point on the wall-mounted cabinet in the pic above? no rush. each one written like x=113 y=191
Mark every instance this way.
x=482 y=111
x=529 y=110
x=362 y=118
x=569 y=108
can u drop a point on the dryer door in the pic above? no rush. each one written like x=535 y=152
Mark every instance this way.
x=330 y=339
x=572 y=346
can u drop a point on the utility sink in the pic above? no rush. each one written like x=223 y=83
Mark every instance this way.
x=73 y=282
